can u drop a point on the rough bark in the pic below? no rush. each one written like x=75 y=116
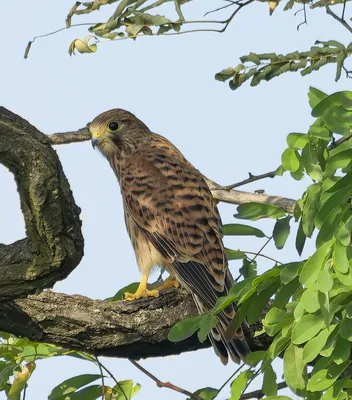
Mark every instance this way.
x=54 y=247
x=125 y=329
x=54 y=243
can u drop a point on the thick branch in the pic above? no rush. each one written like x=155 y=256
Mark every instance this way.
x=54 y=243
x=219 y=193
x=133 y=330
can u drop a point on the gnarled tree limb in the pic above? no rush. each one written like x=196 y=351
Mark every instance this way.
x=125 y=329
x=54 y=243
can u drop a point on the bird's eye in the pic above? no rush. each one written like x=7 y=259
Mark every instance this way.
x=113 y=126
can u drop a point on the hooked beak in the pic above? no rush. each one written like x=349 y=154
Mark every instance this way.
x=95 y=141
x=95 y=138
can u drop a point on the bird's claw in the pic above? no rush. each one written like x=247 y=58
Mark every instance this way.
x=140 y=294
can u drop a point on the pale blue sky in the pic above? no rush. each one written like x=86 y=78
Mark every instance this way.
x=168 y=82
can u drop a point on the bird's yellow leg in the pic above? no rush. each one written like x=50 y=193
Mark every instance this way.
x=142 y=290
x=168 y=283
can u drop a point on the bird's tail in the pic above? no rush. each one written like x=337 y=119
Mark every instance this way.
x=205 y=297
x=237 y=348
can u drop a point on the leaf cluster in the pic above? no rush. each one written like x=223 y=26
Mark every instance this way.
x=258 y=67
x=18 y=358
x=310 y=319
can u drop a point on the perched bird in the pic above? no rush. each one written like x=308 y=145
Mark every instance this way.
x=171 y=217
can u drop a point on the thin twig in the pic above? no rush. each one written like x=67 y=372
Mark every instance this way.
x=240 y=6
x=258 y=394
x=343 y=10
x=112 y=377
x=336 y=143
x=260 y=251
x=231 y=3
x=252 y=178
x=305 y=16
x=102 y=377
x=348 y=73
x=231 y=377
x=165 y=384
x=342 y=21
x=261 y=255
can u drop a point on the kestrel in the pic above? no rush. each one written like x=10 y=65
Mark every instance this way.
x=171 y=218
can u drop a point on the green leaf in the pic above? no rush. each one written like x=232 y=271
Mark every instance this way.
x=255 y=357
x=249 y=268
x=334 y=124
x=342 y=351
x=281 y=232
x=310 y=208
x=92 y=392
x=319 y=130
x=325 y=281
x=339 y=63
x=222 y=303
x=207 y=323
x=312 y=348
x=234 y=254
x=290 y=160
x=131 y=288
x=258 y=303
x=184 y=329
x=285 y=293
x=242 y=230
x=255 y=211
x=295 y=371
x=335 y=99
x=125 y=389
x=72 y=384
x=309 y=300
x=269 y=382
x=323 y=379
x=207 y=393
x=340 y=160
x=300 y=238
x=314 y=264
x=345 y=329
x=225 y=74
x=7 y=371
x=306 y=328
x=289 y=271
x=297 y=141
x=239 y=384
x=315 y=96
x=344 y=232
x=339 y=257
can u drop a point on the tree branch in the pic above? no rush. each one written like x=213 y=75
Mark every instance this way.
x=124 y=329
x=252 y=178
x=54 y=243
x=219 y=192
x=341 y=20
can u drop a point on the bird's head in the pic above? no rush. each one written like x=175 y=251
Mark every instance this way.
x=118 y=128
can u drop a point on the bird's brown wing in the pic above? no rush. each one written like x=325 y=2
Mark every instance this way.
x=169 y=199
x=172 y=204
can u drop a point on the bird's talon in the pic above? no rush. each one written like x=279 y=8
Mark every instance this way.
x=139 y=294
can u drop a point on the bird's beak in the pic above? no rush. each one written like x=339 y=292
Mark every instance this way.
x=96 y=138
